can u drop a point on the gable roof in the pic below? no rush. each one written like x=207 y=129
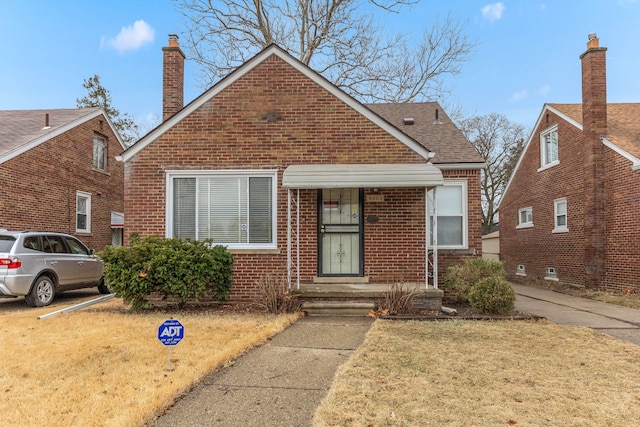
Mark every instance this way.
x=623 y=130
x=433 y=129
x=420 y=148
x=22 y=130
x=623 y=124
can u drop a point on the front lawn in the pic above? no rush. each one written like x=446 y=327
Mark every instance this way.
x=499 y=373
x=104 y=366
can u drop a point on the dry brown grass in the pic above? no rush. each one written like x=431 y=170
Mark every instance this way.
x=103 y=366
x=485 y=374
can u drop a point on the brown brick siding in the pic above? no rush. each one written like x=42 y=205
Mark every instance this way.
x=538 y=248
x=38 y=188
x=622 y=221
x=230 y=132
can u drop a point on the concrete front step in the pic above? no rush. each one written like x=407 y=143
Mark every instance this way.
x=342 y=308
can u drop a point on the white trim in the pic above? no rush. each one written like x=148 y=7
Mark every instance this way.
x=459 y=166
x=633 y=159
x=271 y=173
x=545 y=108
x=465 y=213
x=59 y=131
x=87 y=196
x=248 y=67
x=528 y=224
x=563 y=228
x=543 y=147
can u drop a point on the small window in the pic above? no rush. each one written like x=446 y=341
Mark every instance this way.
x=83 y=212
x=549 y=147
x=525 y=217
x=521 y=271
x=99 y=153
x=560 y=216
x=551 y=274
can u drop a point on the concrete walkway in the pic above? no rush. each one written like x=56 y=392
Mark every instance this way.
x=614 y=320
x=278 y=384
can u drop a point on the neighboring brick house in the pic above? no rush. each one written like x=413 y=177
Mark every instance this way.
x=571 y=211
x=297 y=178
x=58 y=173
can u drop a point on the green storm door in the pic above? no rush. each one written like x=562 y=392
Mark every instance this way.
x=341 y=247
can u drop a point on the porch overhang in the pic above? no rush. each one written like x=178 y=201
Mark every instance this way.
x=362 y=176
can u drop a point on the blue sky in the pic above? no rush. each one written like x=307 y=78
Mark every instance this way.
x=527 y=54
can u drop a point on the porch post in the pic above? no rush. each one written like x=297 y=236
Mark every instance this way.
x=291 y=269
x=431 y=231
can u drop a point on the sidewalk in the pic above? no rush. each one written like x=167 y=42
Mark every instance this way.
x=614 y=320
x=278 y=384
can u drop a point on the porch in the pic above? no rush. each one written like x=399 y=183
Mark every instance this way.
x=358 y=298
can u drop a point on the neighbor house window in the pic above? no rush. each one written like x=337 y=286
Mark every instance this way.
x=99 y=153
x=525 y=217
x=549 y=147
x=451 y=206
x=560 y=215
x=83 y=212
x=236 y=209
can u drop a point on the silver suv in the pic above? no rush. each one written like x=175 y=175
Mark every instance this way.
x=38 y=264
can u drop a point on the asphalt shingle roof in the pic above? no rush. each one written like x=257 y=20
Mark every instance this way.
x=440 y=135
x=21 y=127
x=623 y=123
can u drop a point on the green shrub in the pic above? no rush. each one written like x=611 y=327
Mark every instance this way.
x=170 y=268
x=460 y=278
x=492 y=295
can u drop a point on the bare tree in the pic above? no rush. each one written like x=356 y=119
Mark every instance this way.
x=340 y=39
x=499 y=142
x=99 y=96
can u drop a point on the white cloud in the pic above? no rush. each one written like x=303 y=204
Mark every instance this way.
x=132 y=37
x=519 y=96
x=493 y=12
x=544 y=90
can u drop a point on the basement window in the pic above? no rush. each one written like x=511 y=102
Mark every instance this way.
x=551 y=274
x=521 y=271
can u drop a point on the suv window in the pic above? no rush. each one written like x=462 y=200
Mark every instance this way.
x=32 y=242
x=54 y=245
x=6 y=242
x=76 y=247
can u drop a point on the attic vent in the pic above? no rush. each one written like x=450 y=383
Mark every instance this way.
x=437 y=121
x=408 y=120
x=46 y=121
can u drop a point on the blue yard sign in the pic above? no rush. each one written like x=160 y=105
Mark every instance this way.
x=170 y=332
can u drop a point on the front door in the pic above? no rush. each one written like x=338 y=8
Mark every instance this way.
x=341 y=248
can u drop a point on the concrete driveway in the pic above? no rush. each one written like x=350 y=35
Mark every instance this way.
x=614 y=320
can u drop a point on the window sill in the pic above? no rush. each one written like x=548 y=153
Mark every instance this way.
x=560 y=230
x=525 y=225
x=83 y=233
x=552 y=279
x=254 y=251
x=521 y=274
x=549 y=165
x=104 y=172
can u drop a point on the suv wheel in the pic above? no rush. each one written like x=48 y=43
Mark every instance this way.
x=41 y=293
x=103 y=288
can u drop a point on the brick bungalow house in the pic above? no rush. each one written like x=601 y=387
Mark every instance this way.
x=58 y=173
x=571 y=211
x=296 y=177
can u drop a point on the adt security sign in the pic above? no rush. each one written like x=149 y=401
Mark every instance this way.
x=170 y=332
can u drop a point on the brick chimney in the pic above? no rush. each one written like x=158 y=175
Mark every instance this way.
x=594 y=127
x=172 y=78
